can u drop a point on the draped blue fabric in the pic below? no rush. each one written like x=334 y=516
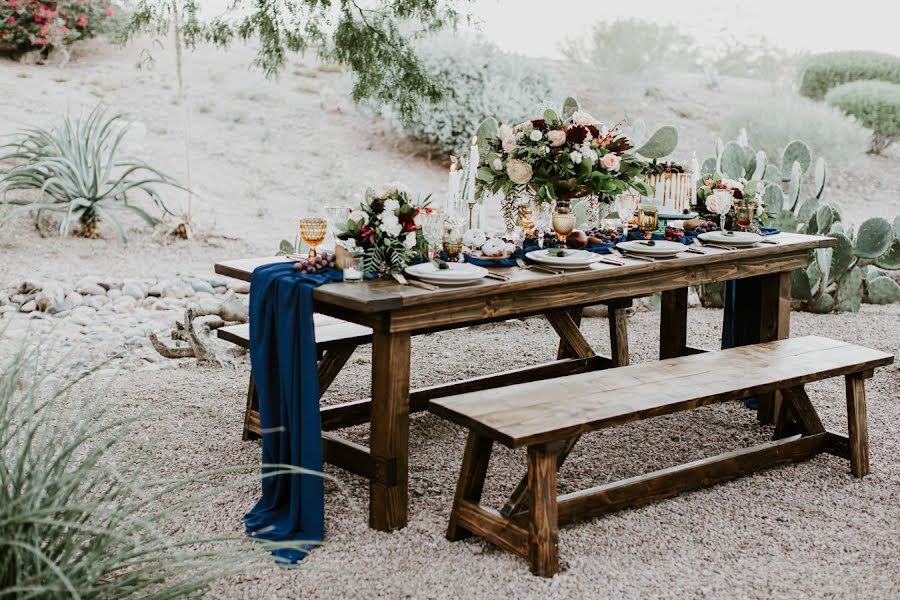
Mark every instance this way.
x=283 y=358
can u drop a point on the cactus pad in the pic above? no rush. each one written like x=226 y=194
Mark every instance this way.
x=662 y=143
x=796 y=152
x=882 y=290
x=874 y=238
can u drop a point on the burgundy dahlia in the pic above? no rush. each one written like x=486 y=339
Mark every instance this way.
x=576 y=135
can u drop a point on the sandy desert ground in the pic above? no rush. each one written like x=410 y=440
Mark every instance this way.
x=262 y=153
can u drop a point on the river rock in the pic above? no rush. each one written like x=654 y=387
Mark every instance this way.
x=202 y=286
x=28 y=286
x=75 y=299
x=114 y=293
x=28 y=307
x=91 y=289
x=7 y=309
x=96 y=302
x=59 y=307
x=239 y=287
x=155 y=290
x=177 y=289
x=4 y=298
x=133 y=290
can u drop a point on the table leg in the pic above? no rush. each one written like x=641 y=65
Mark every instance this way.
x=673 y=323
x=774 y=324
x=564 y=350
x=389 y=437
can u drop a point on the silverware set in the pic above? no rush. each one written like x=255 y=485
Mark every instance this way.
x=402 y=280
x=542 y=268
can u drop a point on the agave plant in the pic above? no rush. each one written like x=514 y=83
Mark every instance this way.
x=78 y=517
x=76 y=168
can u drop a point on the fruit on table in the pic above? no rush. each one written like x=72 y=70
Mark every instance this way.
x=673 y=233
x=600 y=235
x=577 y=239
x=314 y=265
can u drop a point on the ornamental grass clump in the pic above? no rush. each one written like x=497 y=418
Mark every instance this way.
x=875 y=104
x=79 y=517
x=74 y=169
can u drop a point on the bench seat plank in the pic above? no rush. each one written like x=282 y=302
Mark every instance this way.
x=329 y=332
x=541 y=411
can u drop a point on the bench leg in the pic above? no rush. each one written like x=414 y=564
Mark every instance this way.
x=251 y=411
x=857 y=426
x=774 y=324
x=471 y=481
x=543 y=524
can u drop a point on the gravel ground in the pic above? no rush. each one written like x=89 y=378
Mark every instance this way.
x=808 y=530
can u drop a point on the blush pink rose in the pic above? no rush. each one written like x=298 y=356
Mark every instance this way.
x=611 y=161
x=557 y=137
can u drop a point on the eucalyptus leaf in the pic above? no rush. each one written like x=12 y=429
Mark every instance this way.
x=569 y=108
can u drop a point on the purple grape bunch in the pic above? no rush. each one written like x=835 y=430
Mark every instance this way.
x=313 y=265
x=605 y=235
x=704 y=227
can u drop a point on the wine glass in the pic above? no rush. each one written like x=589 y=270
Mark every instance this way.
x=336 y=214
x=432 y=229
x=312 y=230
x=625 y=210
x=541 y=216
x=722 y=201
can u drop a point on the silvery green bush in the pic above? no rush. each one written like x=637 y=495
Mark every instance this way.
x=775 y=122
x=825 y=71
x=480 y=81
x=875 y=104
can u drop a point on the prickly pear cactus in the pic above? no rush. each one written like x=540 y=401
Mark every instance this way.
x=662 y=143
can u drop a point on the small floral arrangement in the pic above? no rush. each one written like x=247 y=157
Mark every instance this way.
x=26 y=24
x=560 y=158
x=384 y=228
x=741 y=189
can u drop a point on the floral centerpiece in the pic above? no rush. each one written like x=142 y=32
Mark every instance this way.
x=383 y=227
x=558 y=158
x=739 y=189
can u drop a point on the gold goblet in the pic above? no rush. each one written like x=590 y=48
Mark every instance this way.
x=312 y=230
x=648 y=220
x=744 y=211
x=563 y=223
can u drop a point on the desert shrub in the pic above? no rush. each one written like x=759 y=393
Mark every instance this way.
x=633 y=46
x=79 y=515
x=76 y=170
x=27 y=24
x=875 y=104
x=825 y=71
x=752 y=58
x=773 y=123
x=480 y=81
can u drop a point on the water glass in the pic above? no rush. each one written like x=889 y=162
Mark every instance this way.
x=353 y=266
x=336 y=215
x=625 y=210
x=542 y=217
x=432 y=229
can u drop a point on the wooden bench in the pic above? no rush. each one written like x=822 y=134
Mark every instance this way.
x=545 y=416
x=335 y=341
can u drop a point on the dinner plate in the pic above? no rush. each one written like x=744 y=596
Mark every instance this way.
x=456 y=274
x=657 y=248
x=677 y=216
x=731 y=238
x=574 y=259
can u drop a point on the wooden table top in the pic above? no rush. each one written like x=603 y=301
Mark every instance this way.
x=388 y=295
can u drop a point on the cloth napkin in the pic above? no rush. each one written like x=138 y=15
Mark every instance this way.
x=283 y=360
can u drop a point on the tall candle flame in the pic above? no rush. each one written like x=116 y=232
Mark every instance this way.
x=474 y=140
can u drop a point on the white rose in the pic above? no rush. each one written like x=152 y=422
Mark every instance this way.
x=410 y=240
x=582 y=118
x=545 y=149
x=557 y=137
x=611 y=161
x=390 y=224
x=575 y=155
x=507 y=138
x=392 y=188
x=536 y=135
x=497 y=164
x=591 y=155
x=733 y=184
x=357 y=216
x=348 y=244
x=519 y=172
x=391 y=205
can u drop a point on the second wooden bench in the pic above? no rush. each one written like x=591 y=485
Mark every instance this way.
x=547 y=416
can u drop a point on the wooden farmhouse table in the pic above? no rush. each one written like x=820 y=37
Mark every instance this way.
x=395 y=313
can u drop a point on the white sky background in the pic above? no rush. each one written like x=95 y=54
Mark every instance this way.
x=537 y=27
